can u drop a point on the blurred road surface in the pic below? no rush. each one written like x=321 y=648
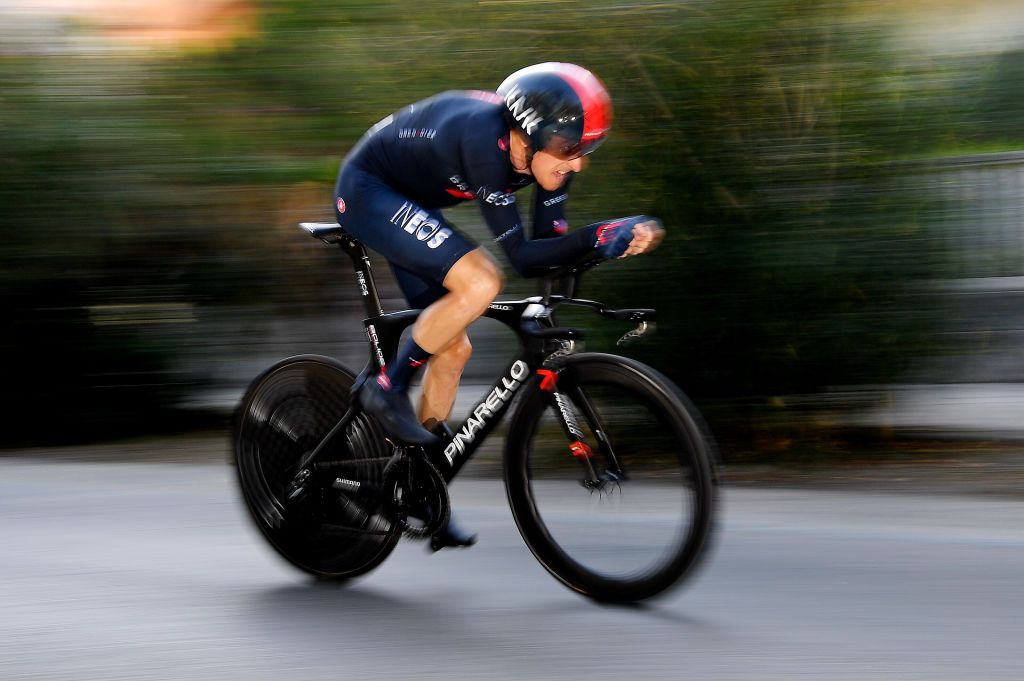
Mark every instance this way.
x=115 y=570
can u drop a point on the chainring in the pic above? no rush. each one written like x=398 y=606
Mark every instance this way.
x=416 y=493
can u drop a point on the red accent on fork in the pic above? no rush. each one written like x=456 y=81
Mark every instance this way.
x=547 y=384
x=581 y=450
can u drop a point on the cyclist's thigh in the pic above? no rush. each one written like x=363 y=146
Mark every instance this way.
x=419 y=291
x=413 y=239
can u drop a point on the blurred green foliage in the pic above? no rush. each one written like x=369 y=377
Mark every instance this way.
x=770 y=136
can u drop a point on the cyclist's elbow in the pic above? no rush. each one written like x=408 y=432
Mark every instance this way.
x=521 y=269
x=523 y=265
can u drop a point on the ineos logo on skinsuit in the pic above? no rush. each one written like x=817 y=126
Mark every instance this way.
x=499 y=198
x=418 y=222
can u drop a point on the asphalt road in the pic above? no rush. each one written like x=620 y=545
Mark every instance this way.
x=113 y=571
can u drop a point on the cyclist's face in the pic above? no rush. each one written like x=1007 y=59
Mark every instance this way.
x=552 y=172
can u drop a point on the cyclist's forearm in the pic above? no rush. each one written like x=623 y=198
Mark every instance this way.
x=526 y=256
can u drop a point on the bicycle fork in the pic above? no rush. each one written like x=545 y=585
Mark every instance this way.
x=578 y=446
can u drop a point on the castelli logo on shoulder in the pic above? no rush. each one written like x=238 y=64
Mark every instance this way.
x=341 y=205
x=503 y=143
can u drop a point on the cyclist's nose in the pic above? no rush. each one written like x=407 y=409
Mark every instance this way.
x=577 y=164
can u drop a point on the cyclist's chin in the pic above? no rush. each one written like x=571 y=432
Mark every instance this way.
x=553 y=181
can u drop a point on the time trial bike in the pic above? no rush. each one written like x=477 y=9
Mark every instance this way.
x=608 y=468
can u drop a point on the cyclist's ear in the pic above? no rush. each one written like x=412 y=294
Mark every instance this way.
x=520 y=151
x=517 y=138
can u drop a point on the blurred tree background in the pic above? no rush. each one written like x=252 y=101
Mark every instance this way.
x=778 y=140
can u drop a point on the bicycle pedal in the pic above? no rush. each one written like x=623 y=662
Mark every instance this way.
x=437 y=543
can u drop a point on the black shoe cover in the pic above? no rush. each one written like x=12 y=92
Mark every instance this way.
x=452 y=535
x=394 y=411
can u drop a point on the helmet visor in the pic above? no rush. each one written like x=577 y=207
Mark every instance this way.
x=567 y=149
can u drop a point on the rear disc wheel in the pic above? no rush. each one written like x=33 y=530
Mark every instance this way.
x=285 y=414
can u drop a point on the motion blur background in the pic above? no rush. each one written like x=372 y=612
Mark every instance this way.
x=841 y=183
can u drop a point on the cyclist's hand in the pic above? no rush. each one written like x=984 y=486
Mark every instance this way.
x=646 y=237
x=629 y=236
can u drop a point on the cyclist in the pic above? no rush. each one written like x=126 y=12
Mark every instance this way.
x=478 y=146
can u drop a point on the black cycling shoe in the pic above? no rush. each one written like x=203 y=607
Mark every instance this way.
x=452 y=535
x=394 y=411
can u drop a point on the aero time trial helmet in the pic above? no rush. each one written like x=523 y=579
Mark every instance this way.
x=562 y=108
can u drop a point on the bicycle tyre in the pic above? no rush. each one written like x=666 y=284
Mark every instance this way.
x=653 y=429
x=284 y=414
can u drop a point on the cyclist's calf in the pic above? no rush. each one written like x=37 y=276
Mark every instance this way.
x=441 y=381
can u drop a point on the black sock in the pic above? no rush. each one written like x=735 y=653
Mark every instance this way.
x=409 y=359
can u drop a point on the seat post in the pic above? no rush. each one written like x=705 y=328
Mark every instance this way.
x=364 y=275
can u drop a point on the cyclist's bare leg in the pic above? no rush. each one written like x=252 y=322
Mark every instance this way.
x=472 y=282
x=441 y=380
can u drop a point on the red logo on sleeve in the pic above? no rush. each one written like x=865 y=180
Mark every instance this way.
x=458 y=193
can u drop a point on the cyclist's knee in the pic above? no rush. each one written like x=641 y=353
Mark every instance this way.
x=475 y=276
x=489 y=287
x=491 y=281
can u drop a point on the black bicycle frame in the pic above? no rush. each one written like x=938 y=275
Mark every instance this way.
x=529 y=319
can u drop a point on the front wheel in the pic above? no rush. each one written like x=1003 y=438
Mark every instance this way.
x=627 y=515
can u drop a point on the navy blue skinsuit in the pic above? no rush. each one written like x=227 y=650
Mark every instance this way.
x=433 y=154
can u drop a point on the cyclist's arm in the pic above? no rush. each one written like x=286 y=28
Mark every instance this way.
x=549 y=211
x=527 y=255
x=499 y=209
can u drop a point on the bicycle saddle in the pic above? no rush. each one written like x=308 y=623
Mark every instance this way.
x=328 y=232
